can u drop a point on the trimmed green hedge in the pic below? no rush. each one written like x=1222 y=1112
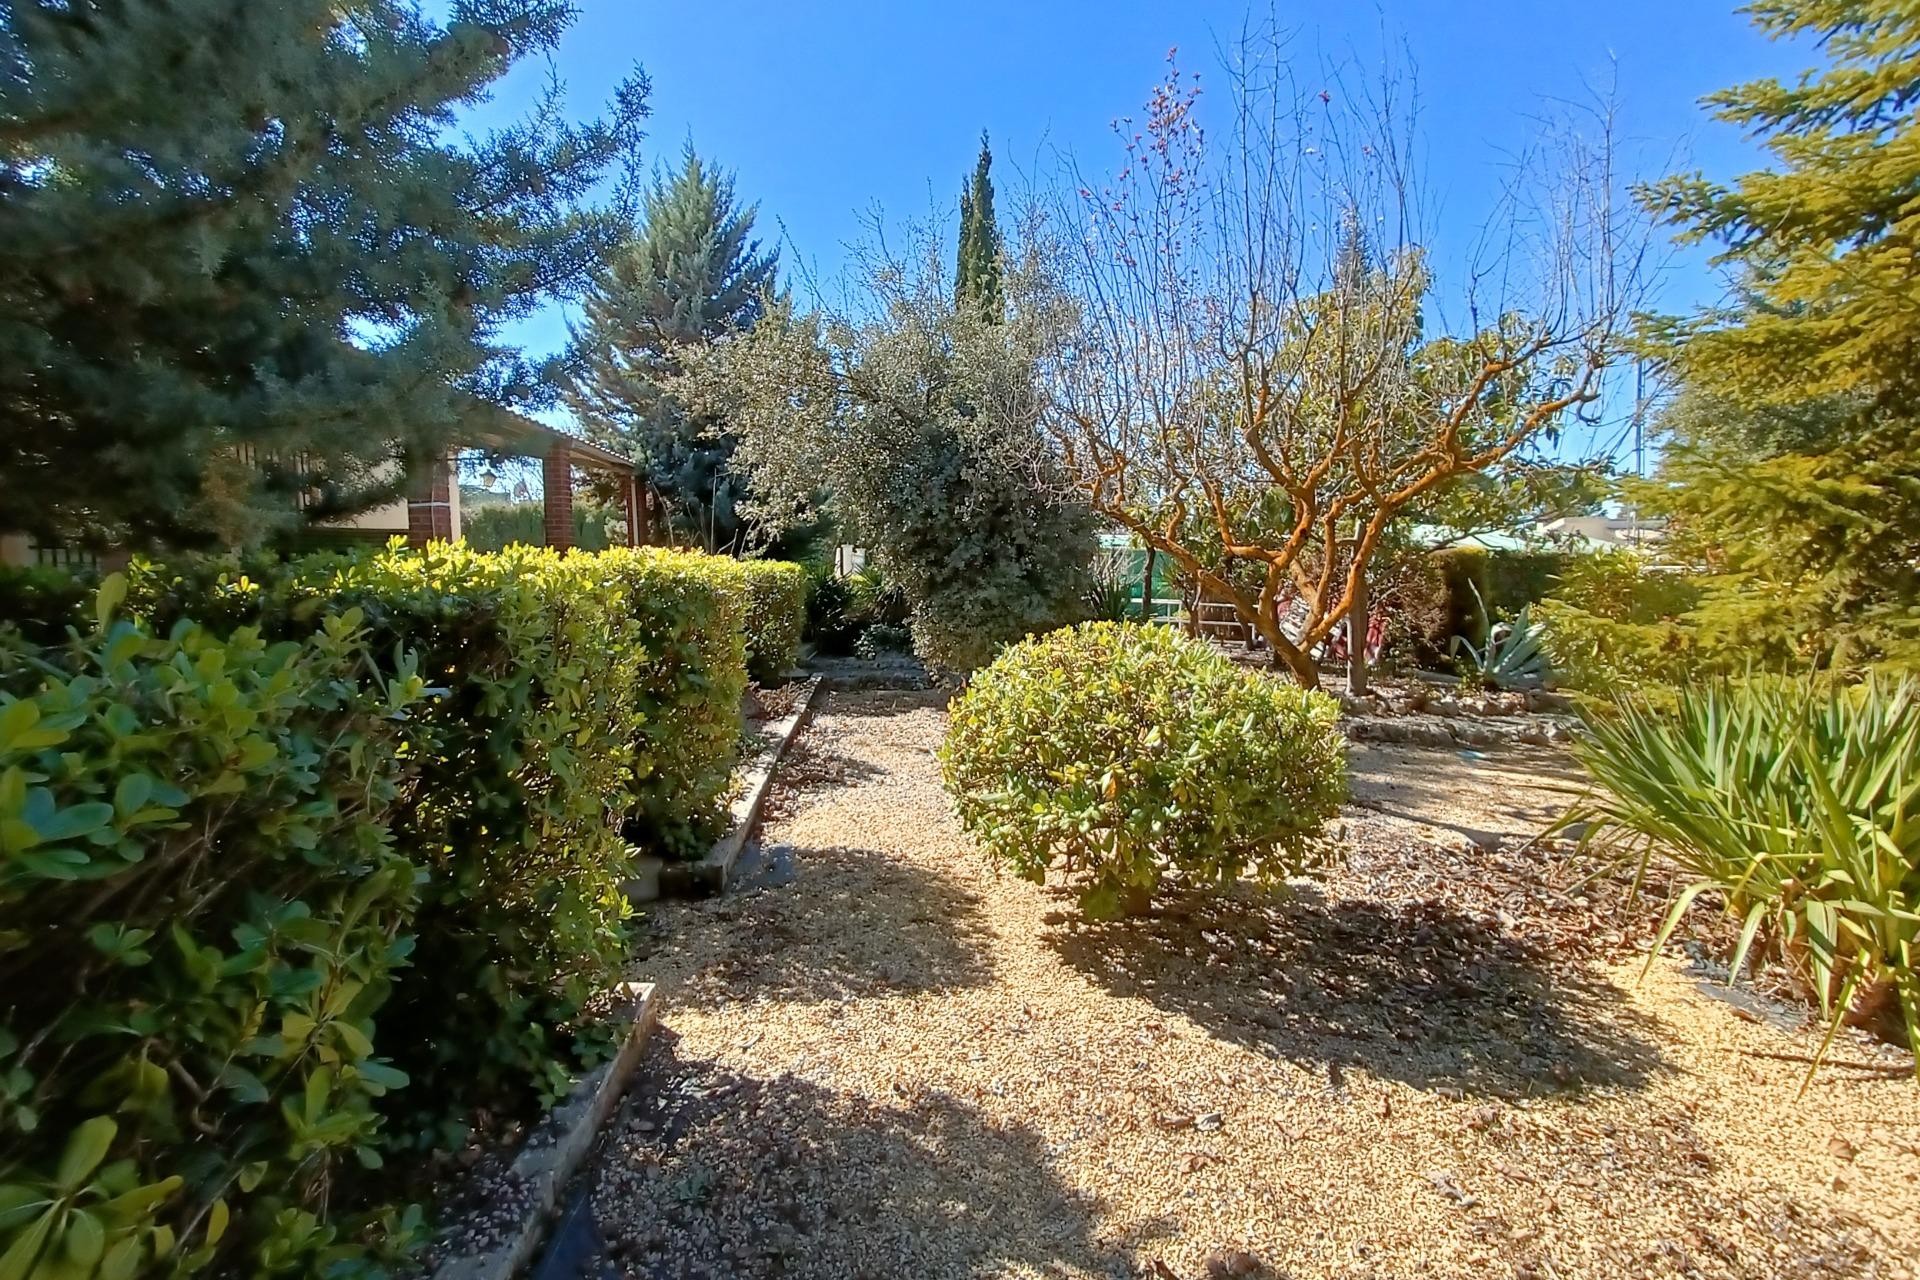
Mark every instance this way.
x=288 y=838
x=772 y=599
x=1120 y=755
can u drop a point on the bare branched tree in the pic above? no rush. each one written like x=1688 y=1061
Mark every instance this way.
x=1259 y=376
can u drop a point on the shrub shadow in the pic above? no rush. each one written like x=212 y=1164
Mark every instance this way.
x=811 y=765
x=1409 y=991
x=713 y=1174
x=840 y=924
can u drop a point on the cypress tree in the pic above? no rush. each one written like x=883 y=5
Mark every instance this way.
x=248 y=262
x=977 y=264
x=691 y=274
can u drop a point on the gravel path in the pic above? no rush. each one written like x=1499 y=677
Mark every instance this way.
x=886 y=1060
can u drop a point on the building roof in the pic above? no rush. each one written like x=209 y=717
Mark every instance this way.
x=515 y=433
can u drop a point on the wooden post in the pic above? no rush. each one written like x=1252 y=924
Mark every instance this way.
x=430 y=504
x=630 y=499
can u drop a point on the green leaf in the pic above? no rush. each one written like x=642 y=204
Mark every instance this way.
x=86 y=1148
x=113 y=589
x=85 y=1240
x=19 y=1203
x=131 y=793
x=122 y=1261
x=17 y=1262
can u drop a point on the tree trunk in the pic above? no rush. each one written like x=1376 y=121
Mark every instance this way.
x=1357 y=636
x=1146 y=588
x=1291 y=657
x=1302 y=666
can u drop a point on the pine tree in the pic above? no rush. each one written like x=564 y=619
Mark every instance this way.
x=692 y=274
x=977 y=264
x=247 y=264
x=1794 y=464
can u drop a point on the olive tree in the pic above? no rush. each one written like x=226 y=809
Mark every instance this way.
x=916 y=421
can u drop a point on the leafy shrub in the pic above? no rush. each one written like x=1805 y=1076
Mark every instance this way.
x=832 y=626
x=691 y=681
x=1800 y=806
x=388 y=783
x=771 y=602
x=523 y=766
x=41 y=604
x=203 y=907
x=1126 y=754
x=882 y=638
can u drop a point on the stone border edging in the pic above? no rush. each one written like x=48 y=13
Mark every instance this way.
x=555 y=1149
x=710 y=875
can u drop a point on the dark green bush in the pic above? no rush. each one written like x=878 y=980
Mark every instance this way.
x=832 y=624
x=1121 y=754
x=41 y=604
x=882 y=637
x=203 y=907
x=1439 y=596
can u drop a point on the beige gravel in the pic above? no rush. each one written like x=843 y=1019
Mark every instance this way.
x=890 y=1061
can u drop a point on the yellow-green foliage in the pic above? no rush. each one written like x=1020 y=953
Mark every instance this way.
x=689 y=693
x=1121 y=755
x=1614 y=623
x=771 y=596
x=362 y=828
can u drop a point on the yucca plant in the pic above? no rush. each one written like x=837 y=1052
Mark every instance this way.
x=1802 y=806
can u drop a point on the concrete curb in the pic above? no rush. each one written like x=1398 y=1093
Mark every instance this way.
x=710 y=875
x=554 y=1150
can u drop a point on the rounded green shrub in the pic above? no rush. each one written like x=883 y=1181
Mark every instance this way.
x=1122 y=755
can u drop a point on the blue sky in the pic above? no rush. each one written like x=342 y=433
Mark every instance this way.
x=827 y=111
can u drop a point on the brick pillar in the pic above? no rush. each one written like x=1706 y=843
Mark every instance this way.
x=556 y=484
x=430 y=504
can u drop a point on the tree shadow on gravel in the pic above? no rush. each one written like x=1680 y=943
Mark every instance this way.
x=1409 y=991
x=713 y=1174
x=811 y=766
x=852 y=924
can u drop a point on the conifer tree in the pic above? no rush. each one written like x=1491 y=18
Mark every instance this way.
x=1794 y=465
x=692 y=274
x=977 y=264
x=248 y=262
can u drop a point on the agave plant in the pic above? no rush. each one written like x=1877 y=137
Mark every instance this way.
x=1512 y=658
x=1802 y=807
